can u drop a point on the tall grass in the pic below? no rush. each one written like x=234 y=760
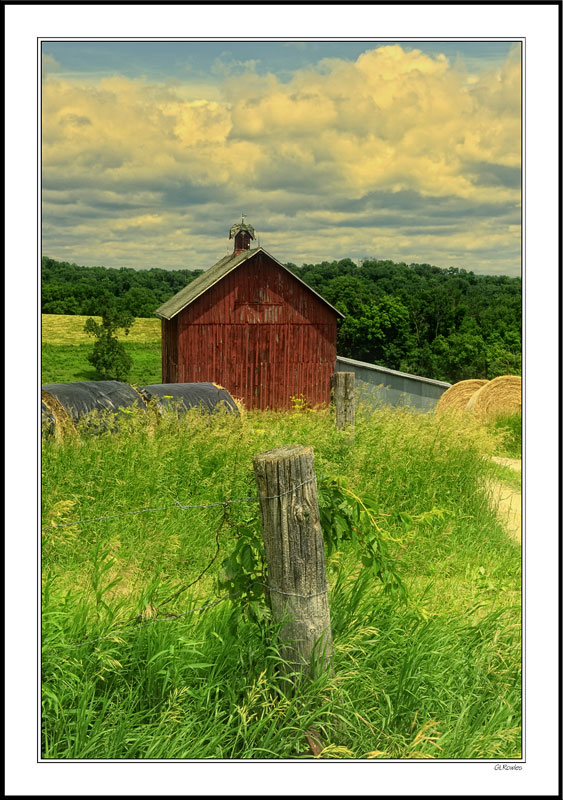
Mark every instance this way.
x=437 y=677
x=510 y=426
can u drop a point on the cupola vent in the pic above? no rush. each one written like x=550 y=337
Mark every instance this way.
x=242 y=234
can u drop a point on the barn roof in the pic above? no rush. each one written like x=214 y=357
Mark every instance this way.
x=213 y=275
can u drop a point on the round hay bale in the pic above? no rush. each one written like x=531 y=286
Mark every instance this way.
x=53 y=413
x=80 y=399
x=241 y=406
x=457 y=396
x=48 y=421
x=182 y=396
x=502 y=395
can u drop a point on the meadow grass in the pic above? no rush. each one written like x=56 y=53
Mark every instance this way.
x=435 y=677
x=69 y=329
x=65 y=348
x=510 y=425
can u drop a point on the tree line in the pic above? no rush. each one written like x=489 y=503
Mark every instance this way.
x=71 y=289
x=447 y=324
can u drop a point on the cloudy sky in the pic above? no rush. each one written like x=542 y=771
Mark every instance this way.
x=403 y=150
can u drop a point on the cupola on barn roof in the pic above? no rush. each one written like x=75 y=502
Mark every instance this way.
x=218 y=271
x=242 y=234
x=241 y=226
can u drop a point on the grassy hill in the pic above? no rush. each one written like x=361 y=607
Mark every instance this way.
x=65 y=347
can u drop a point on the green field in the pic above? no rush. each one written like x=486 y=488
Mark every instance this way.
x=437 y=676
x=65 y=348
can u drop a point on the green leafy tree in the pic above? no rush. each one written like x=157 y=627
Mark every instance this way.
x=109 y=356
x=348 y=293
x=458 y=357
x=380 y=333
x=140 y=301
x=503 y=356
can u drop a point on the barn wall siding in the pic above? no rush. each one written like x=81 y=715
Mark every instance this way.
x=260 y=334
x=170 y=351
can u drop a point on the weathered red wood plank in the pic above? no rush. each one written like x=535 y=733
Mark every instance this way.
x=259 y=333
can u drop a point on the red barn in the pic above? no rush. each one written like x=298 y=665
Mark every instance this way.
x=249 y=324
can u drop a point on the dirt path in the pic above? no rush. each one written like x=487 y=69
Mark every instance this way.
x=513 y=463
x=508 y=500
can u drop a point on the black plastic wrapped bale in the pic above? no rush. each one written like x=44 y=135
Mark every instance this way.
x=182 y=396
x=48 y=421
x=81 y=399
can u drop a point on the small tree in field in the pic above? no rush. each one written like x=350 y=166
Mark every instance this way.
x=109 y=356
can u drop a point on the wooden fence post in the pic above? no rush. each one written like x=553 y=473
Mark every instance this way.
x=293 y=540
x=342 y=385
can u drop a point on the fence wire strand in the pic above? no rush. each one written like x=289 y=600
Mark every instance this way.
x=172 y=617
x=177 y=505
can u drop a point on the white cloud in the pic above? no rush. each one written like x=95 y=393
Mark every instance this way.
x=391 y=121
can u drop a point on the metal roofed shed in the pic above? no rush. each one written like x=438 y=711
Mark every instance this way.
x=378 y=386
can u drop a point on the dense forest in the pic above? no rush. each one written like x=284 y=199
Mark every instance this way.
x=447 y=324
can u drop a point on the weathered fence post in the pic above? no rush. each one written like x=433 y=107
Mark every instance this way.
x=293 y=540
x=342 y=386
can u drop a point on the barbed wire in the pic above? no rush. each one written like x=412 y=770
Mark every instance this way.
x=289 y=491
x=172 y=617
x=292 y=594
x=178 y=505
